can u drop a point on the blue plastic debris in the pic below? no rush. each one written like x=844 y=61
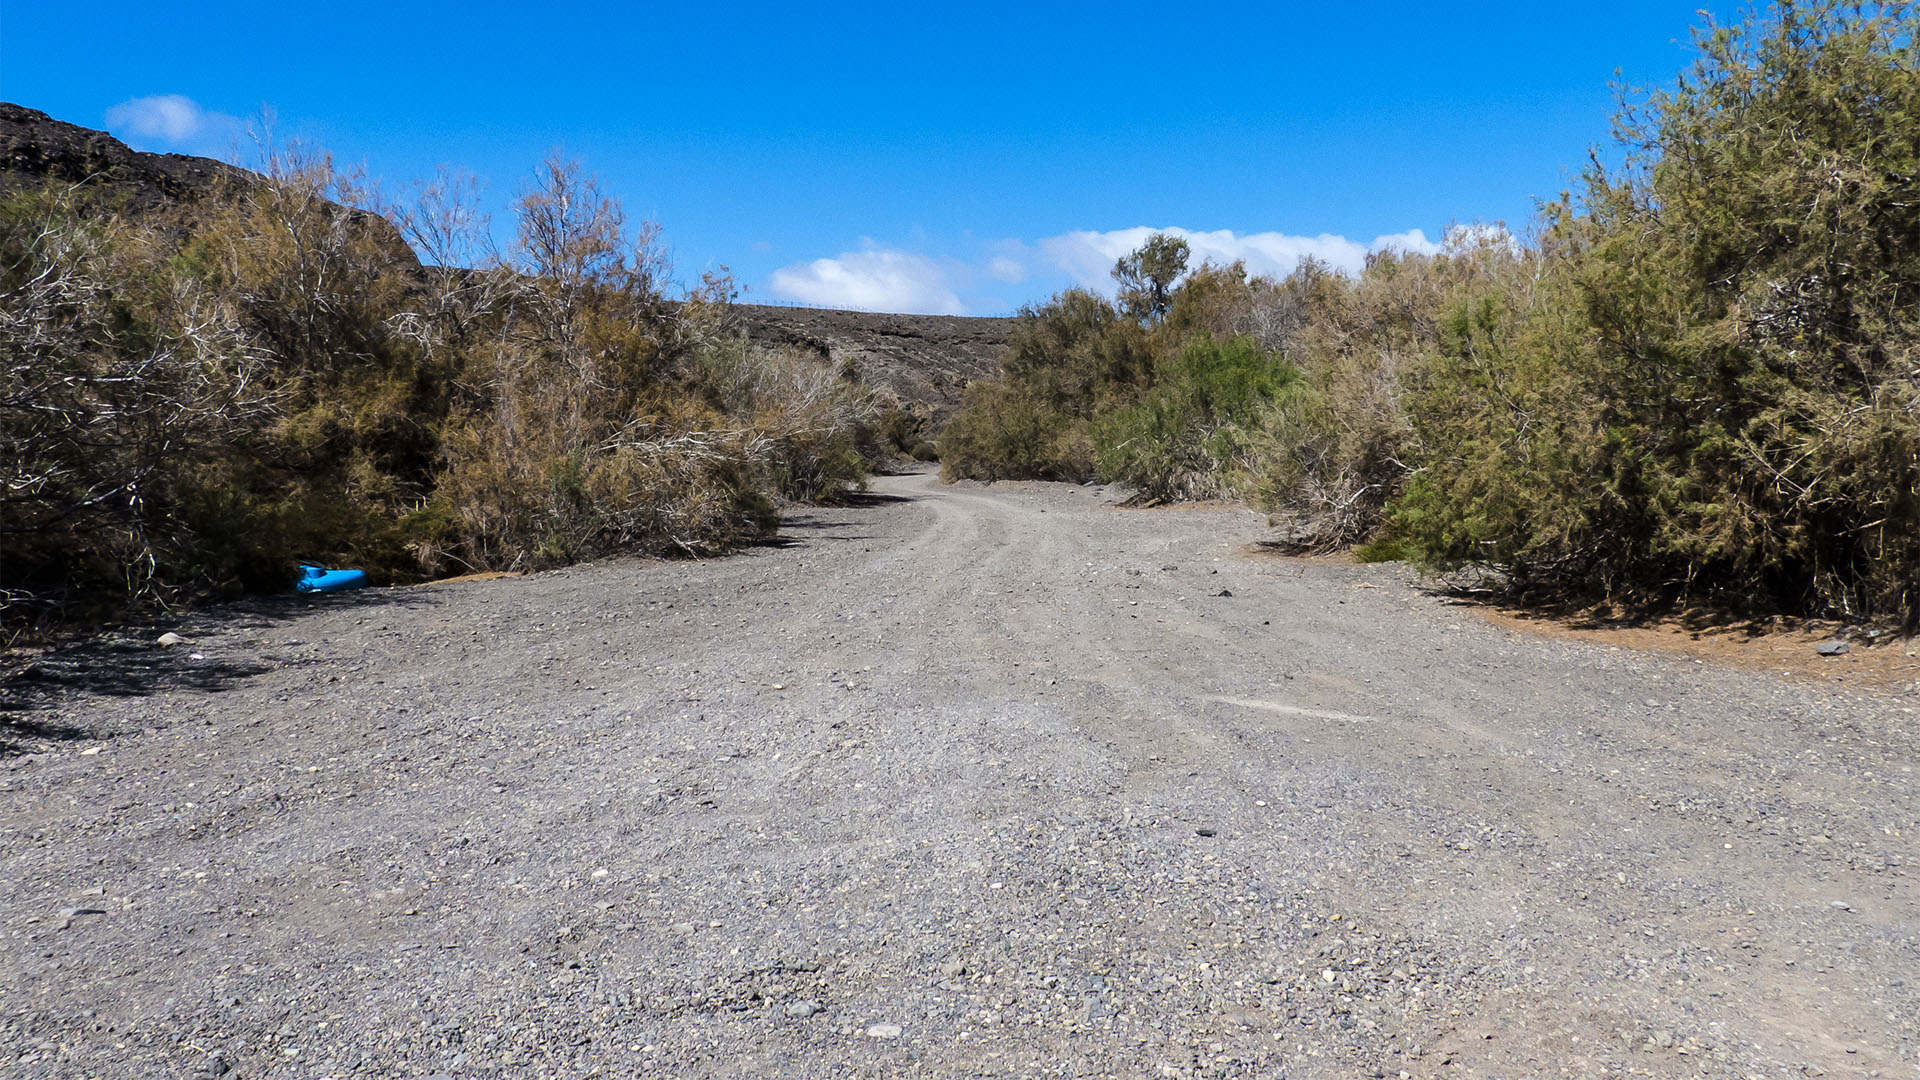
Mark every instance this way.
x=321 y=579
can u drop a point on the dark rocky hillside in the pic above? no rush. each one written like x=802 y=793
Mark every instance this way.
x=923 y=360
x=920 y=359
x=36 y=149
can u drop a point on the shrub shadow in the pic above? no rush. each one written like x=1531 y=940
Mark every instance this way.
x=863 y=499
x=1599 y=614
x=39 y=690
x=817 y=528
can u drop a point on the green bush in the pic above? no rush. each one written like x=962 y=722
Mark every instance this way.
x=1710 y=395
x=1002 y=434
x=1065 y=362
x=1191 y=436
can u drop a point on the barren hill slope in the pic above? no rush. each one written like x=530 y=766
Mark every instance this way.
x=924 y=359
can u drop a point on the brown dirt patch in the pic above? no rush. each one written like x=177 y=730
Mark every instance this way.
x=1778 y=645
x=484 y=575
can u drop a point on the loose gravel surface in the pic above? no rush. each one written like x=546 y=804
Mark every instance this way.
x=961 y=781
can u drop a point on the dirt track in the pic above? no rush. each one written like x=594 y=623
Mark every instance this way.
x=961 y=782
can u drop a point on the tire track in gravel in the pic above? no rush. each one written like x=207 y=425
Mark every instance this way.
x=997 y=767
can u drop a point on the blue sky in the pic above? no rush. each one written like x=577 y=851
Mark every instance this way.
x=936 y=158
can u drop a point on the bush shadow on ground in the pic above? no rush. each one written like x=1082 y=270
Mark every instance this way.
x=816 y=527
x=1602 y=615
x=40 y=690
x=1723 y=618
x=1293 y=548
x=864 y=499
x=1487 y=590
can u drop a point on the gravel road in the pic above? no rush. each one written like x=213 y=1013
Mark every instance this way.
x=959 y=781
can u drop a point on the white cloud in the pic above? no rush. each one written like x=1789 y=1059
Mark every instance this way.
x=899 y=280
x=1411 y=242
x=174 y=119
x=871 y=280
x=1088 y=257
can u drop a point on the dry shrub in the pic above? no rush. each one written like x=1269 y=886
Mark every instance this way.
x=520 y=499
x=1336 y=455
x=195 y=401
x=606 y=419
x=807 y=416
x=121 y=375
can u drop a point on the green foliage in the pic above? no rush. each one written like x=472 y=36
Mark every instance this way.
x=1003 y=434
x=1146 y=276
x=1713 y=394
x=1225 y=382
x=1076 y=354
x=1312 y=428
x=896 y=431
x=1190 y=436
x=1065 y=362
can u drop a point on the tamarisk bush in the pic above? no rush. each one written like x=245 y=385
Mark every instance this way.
x=191 y=402
x=1714 y=389
x=1699 y=383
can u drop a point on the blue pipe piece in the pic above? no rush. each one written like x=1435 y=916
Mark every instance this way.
x=321 y=579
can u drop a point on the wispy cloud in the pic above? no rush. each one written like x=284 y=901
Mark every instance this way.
x=175 y=121
x=1006 y=270
x=876 y=279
